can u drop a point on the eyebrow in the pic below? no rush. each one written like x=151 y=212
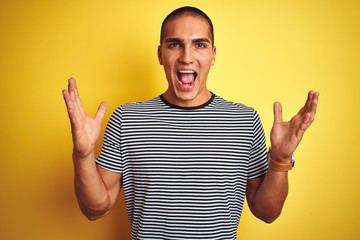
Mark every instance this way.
x=178 y=40
x=201 y=40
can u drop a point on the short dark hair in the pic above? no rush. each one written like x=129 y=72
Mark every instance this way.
x=190 y=11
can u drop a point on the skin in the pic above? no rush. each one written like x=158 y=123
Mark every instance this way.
x=186 y=46
x=96 y=188
x=266 y=195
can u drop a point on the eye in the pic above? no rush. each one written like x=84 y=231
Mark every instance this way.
x=200 y=45
x=174 y=45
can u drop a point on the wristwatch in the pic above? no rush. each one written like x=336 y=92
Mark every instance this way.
x=280 y=166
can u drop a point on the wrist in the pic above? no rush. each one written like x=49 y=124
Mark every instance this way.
x=280 y=164
x=83 y=158
x=280 y=160
x=82 y=155
x=84 y=166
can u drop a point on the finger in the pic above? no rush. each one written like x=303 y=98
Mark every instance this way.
x=311 y=104
x=307 y=105
x=314 y=102
x=308 y=118
x=79 y=104
x=70 y=109
x=72 y=87
x=305 y=124
x=72 y=100
x=309 y=99
x=74 y=93
x=101 y=111
x=67 y=99
x=310 y=115
x=277 y=112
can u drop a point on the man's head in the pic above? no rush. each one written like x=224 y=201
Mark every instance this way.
x=187 y=53
x=189 y=11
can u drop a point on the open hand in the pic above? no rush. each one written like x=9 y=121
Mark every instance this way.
x=85 y=129
x=286 y=136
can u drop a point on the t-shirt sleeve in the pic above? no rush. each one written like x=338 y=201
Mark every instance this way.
x=110 y=155
x=257 y=161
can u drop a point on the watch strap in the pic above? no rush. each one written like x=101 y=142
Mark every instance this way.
x=279 y=166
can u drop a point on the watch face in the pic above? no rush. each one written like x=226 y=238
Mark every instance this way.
x=268 y=157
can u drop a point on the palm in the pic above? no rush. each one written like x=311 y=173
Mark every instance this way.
x=286 y=136
x=85 y=129
x=86 y=135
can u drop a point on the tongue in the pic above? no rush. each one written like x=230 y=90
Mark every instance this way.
x=186 y=78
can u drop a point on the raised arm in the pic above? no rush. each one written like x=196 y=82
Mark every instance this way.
x=266 y=195
x=96 y=188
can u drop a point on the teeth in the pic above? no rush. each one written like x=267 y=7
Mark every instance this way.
x=186 y=71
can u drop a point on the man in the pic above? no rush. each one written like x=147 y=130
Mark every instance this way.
x=186 y=158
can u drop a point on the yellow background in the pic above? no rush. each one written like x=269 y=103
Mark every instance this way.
x=266 y=51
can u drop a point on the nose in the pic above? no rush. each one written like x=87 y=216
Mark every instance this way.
x=186 y=56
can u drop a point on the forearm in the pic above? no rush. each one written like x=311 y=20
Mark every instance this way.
x=269 y=199
x=266 y=195
x=90 y=190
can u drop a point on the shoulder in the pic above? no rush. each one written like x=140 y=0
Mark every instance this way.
x=152 y=103
x=140 y=110
x=221 y=103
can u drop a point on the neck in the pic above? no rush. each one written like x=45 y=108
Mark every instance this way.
x=186 y=100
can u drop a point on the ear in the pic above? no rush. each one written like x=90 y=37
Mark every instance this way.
x=159 y=55
x=213 y=56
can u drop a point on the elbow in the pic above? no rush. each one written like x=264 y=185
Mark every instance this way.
x=269 y=217
x=94 y=211
x=266 y=215
x=92 y=215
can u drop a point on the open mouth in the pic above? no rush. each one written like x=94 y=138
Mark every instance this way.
x=186 y=77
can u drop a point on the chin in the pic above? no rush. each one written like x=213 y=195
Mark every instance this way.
x=186 y=96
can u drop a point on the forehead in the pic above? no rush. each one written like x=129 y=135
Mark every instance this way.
x=187 y=27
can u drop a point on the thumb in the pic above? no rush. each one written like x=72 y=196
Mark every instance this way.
x=101 y=111
x=277 y=112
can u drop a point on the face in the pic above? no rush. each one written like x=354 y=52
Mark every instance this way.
x=187 y=55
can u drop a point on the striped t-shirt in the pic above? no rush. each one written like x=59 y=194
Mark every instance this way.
x=184 y=170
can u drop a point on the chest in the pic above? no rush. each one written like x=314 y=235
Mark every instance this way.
x=197 y=143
